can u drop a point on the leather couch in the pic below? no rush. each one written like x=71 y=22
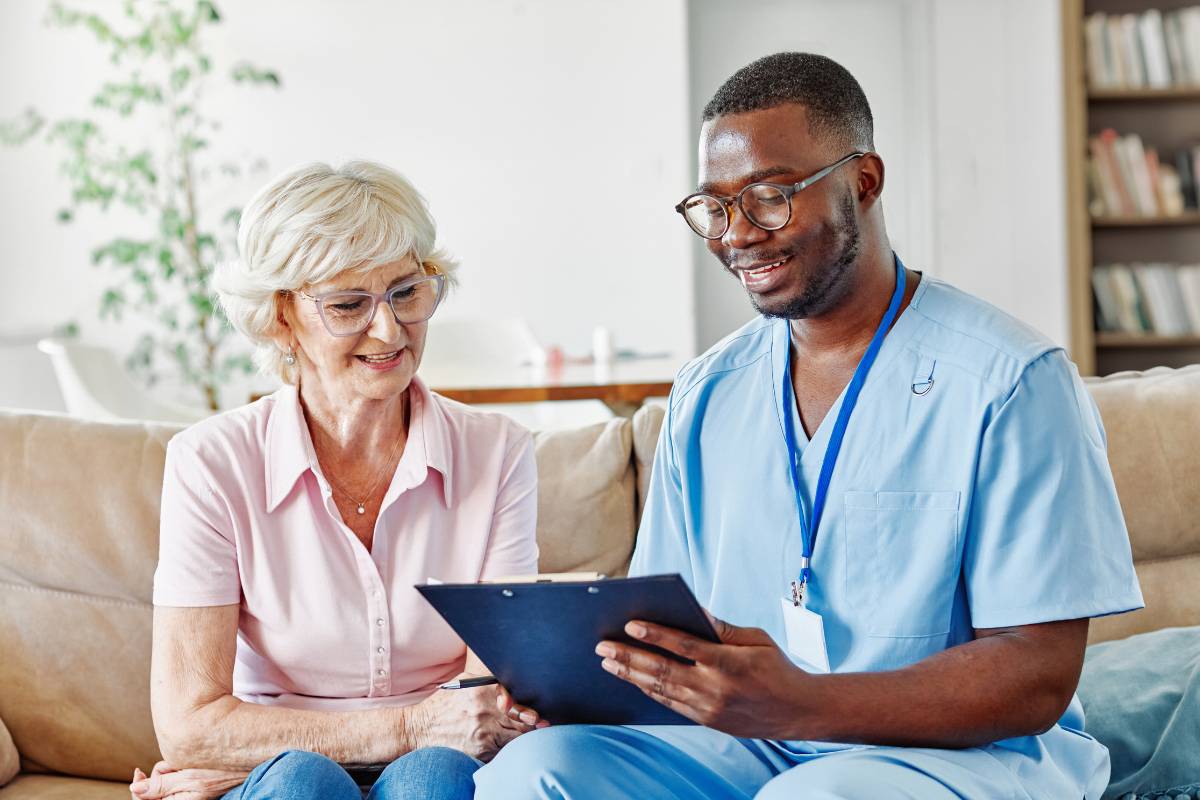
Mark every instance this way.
x=79 y=539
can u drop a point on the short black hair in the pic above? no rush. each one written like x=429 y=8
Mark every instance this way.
x=835 y=101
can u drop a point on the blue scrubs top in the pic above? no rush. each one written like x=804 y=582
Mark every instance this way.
x=984 y=500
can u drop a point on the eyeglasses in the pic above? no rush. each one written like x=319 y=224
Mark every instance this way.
x=765 y=205
x=350 y=313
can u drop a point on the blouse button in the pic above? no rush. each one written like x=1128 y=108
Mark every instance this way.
x=382 y=672
x=379 y=622
x=380 y=650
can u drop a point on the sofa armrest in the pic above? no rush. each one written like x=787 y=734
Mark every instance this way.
x=10 y=761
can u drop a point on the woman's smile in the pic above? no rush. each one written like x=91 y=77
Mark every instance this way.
x=383 y=361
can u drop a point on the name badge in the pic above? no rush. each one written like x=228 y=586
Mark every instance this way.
x=805 y=637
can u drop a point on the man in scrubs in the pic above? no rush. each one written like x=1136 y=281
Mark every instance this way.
x=894 y=497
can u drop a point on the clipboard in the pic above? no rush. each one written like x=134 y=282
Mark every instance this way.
x=539 y=640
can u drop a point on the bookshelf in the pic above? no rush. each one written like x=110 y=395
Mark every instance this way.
x=1165 y=118
x=1187 y=218
x=1117 y=95
x=1128 y=340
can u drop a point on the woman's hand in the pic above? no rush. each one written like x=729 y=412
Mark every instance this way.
x=476 y=721
x=167 y=782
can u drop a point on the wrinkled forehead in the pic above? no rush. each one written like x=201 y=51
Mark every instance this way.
x=736 y=149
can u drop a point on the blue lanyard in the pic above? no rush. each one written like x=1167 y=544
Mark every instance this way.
x=808 y=529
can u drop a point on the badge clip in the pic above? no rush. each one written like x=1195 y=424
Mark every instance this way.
x=799 y=586
x=797 y=593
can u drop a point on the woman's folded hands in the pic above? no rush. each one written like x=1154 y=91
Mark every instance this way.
x=166 y=783
x=477 y=721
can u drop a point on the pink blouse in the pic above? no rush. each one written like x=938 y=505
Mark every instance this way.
x=248 y=518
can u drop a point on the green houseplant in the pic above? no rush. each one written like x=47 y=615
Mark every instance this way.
x=162 y=273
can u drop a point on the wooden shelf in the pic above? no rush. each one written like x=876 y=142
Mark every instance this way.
x=1161 y=117
x=1145 y=340
x=1138 y=95
x=1187 y=218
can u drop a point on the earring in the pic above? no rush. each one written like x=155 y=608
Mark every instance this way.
x=290 y=358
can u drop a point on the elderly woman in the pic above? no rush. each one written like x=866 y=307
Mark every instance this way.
x=292 y=654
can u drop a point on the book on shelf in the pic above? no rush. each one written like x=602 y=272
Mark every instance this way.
x=1150 y=50
x=1128 y=179
x=1152 y=299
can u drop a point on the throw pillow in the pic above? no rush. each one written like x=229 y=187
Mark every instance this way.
x=1141 y=697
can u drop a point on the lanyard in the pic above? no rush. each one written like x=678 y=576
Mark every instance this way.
x=808 y=529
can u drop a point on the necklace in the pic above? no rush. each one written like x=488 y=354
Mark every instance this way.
x=362 y=504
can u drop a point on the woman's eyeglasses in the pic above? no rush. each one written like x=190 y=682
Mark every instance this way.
x=349 y=313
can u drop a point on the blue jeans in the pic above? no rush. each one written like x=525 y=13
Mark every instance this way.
x=431 y=773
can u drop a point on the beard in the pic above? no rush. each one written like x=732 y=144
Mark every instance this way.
x=829 y=282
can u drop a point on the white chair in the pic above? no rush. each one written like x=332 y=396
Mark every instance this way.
x=27 y=380
x=94 y=385
x=463 y=351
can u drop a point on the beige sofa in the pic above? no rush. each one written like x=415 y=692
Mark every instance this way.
x=79 y=531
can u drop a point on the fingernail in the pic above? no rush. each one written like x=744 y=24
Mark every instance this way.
x=139 y=786
x=605 y=649
x=528 y=718
x=609 y=665
x=636 y=630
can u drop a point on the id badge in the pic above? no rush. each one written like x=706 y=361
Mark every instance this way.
x=805 y=637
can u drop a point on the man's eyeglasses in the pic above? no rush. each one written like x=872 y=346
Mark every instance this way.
x=765 y=205
x=350 y=313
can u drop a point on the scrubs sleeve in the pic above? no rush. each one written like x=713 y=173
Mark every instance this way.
x=662 y=541
x=1045 y=537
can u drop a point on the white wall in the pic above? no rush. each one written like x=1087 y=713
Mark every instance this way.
x=498 y=111
x=968 y=111
x=883 y=44
x=517 y=119
x=1000 y=180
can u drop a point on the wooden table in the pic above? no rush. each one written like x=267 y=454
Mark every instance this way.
x=622 y=385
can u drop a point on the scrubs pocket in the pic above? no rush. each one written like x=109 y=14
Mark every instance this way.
x=902 y=561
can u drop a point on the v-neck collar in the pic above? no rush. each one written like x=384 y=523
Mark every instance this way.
x=781 y=345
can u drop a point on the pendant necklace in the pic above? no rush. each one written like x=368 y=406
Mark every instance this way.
x=361 y=505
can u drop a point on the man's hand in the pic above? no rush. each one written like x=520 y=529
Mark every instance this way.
x=744 y=686
x=183 y=784
x=525 y=714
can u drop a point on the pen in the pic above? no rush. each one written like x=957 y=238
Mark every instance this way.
x=470 y=683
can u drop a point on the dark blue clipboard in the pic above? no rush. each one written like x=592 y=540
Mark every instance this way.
x=539 y=640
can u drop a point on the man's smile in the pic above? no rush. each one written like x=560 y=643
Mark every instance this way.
x=760 y=278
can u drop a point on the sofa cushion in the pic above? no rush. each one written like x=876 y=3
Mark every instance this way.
x=586 y=498
x=78 y=544
x=647 y=423
x=76 y=681
x=10 y=762
x=1152 y=420
x=50 y=787
x=1141 y=697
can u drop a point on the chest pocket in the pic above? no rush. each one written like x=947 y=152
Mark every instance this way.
x=902 y=561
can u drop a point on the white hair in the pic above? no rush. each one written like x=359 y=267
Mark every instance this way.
x=313 y=223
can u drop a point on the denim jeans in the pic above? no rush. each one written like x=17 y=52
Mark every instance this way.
x=431 y=773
